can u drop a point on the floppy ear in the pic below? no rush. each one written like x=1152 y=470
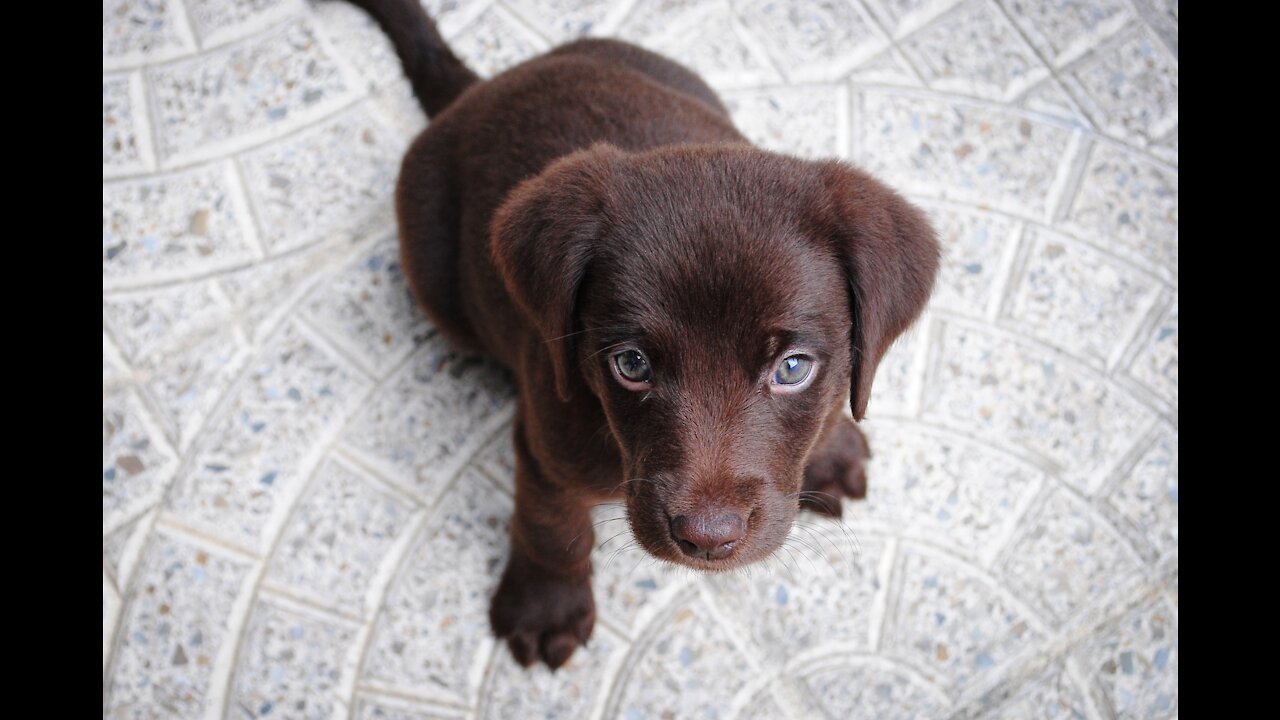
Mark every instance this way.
x=890 y=256
x=544 y=235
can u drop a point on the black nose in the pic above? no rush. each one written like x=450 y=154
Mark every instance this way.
x=710 y=536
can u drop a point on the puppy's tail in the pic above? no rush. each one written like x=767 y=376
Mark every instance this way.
x=437 y=75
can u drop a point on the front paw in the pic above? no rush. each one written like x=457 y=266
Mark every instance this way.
x=836 y=469
x=542 y=616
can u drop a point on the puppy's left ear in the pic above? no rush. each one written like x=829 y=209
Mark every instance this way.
x=890 y=256
x=543 y=237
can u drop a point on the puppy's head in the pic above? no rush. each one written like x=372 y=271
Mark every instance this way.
x=720 y=301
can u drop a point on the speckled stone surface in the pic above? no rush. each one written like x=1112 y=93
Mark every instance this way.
x=306 y=490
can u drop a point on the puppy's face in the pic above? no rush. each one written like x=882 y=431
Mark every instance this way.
x=717 y=341
x=719 y=302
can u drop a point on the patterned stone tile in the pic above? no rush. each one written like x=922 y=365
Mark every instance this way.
x=171 y=630
x=169 y=226
x=187 y=383
x=1066 y=558
x=362 y=45
x=804 y=121
x=820 y=592
x=1134 y=86
x=110 y=614
x=126 y=143
x=217 y=21
x=146 y=324
x=366 y=307
x=762 y=707
x=264 y=86
x=114 y=545
x=113 y=365
x=860 y=689
x=655 y=18
x=1148 y=494
x=417 y=427
x=496 y=41
x=972 y=49
x=1049 y=98
x=728 y=58
x=1128 y=205
x=946 y=489
x=136 y=31
x=954 y=624
x=688 y=667
x=432 y=635
x=1171 y=582
x=369 y=707
x=137 y=464
x=812 y=41
x=985 y=155
x=1052 y=695
x=230 y=281
x=1167 y=149
x=1156 y=364
x=1062 y=31
x=1011 y=392
x=888 y=67
x=563 y=20
x=902 y=17
x=328 y=177
x=898 y=377
x=1135 y=662
x=255 y=453
x=1076 y=298
x=290 y=665
x=1162 y=16
x=974 y=244
x=571 y=691
x=267 y=291
x=337 y=537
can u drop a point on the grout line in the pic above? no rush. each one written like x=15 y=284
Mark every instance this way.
x=1008 y=273
x=220 y=151
x=1029 y=501
x=879 y=618
x=188 y=29
x=1067 y=179
x=1135 y=339
x=390 y=568
x=249 y=221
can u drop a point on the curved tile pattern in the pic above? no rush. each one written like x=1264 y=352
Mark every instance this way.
x=306 y=491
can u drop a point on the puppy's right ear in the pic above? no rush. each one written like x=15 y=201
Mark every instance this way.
x=543 y=237
x=890 y=254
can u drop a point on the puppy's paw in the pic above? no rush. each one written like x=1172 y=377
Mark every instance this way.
x=540 y=615
x=836 y=469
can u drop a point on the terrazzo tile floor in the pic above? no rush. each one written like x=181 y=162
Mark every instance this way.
x=305 y=490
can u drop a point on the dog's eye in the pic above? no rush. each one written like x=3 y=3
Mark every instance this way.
x=632 y=366
x=793 y=370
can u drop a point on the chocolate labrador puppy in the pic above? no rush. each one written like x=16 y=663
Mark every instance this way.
x=684 y=313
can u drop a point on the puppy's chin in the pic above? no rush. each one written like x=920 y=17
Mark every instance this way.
x=767 y=526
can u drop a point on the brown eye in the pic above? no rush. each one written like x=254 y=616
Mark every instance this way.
x=632 y=365
x=793 y=370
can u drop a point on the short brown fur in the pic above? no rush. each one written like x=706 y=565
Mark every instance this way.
x=598 y=198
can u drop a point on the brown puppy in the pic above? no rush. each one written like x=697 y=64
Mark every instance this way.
x=684 y=313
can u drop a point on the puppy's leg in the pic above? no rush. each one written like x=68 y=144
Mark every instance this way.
x=543 y=607
x=836 y=467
